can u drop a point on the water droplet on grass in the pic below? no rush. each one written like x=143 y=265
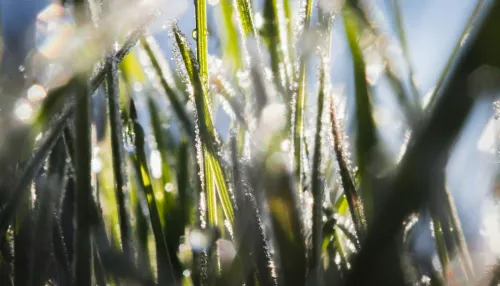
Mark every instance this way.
x=23 y=110
x=194 y=34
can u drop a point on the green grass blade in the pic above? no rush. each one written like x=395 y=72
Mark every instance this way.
x=245 y=16
x=270 y=33
x=317 y=184
x=82 y=270
x=440 y=246
x=350 y=192
x=118 y=153
x=202 y=40
x=300 y=100
x=232 y=49
x=178 y=107
x=366 y=137
x=164 y=263
x=161 y=144
x=207 y=141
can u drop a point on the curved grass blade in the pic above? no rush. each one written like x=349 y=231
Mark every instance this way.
x=207 y=141
x=118 y=151
x=366 y=138
x=164 y=263
x=317 y=184
x=178 y=107
x=31 y=168
x=428 y=151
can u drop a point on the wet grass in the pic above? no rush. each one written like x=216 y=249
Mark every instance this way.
x=161 y=198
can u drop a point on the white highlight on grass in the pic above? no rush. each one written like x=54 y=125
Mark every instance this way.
x=23 y=110
x=155 y=162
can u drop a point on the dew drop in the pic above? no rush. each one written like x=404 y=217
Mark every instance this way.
x=23 y=110
x=96 y=165
x=198 y=240
x=194 y=34
x=36 y=93
x=22 y=68
x=155 y=159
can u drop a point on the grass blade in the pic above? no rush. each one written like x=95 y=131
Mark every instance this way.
x=300 y=100
x=207 y=140
x=317 y=185
x=202 y=40
x=118 y=152
x=271 y=36
x=165 y=270
x=350 y=191
x=244 y=9
x=232 y=49
x=366 y=138
x=82 y=269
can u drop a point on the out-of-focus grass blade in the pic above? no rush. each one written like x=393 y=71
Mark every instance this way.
x=350 y=192
x=118 y=152
x=232 y=49
x=300 y=99
x=82 y=264
x=207 y=141
x=157 y=131
x=244 y=9
x=178 y=107
x=164 y=264
x=289 y=61
x=317 y=184
x=43 y=218
x=33 y=165
x=440 y=246
x=280 y=193
x=366 y=137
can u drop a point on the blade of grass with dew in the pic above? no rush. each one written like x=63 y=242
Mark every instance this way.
x=207 y=141
x=270 y=32
x=253 y=251
x=366 y=138
x=317 y=184
x=164 y=264
x=290 y=51
x=202 y=41
x=350 y=192
x=245 y=16
x=276 y=181
x=178 y=107
x=118 y=153
x=300 y=99
x=232 y=49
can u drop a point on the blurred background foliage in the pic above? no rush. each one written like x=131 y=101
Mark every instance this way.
x=266 y=142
